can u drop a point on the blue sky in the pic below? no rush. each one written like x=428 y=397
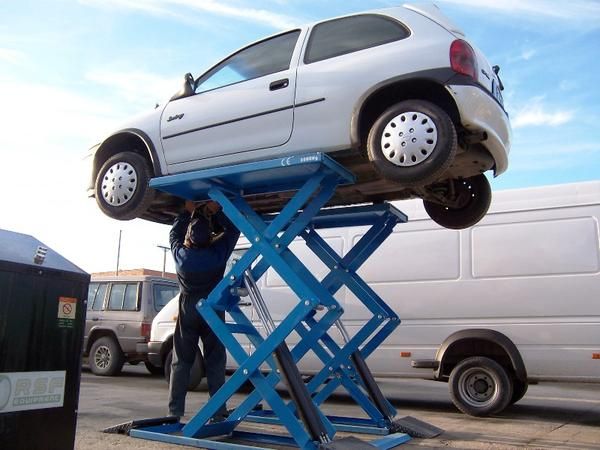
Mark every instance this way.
x=72 y=70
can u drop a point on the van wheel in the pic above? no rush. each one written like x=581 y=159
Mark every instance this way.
x=468 y=203
x=412 y=143
x=519 y=390
x=480 y=386
x=196 y=373
x=154 y=370
x=106 y=357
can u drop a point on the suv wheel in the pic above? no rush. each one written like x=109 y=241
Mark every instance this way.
x=196 y=373
x=480 y=386
x=412 y=143
x=106 y=357
x=469 y=202
x=121 y=187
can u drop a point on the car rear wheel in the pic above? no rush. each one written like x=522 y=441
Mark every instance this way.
x=121 y=188
x=480 y=386
x=412 y=143
x=462 y=204
x=196 y=373
x=106 y=357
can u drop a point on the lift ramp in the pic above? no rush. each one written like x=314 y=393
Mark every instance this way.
x=311 y=179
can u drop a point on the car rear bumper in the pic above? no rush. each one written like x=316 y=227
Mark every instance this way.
x=480 y=112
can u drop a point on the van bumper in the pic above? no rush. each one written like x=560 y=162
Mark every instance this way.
x=154 y=356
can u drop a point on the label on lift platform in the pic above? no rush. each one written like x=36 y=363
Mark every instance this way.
x=67 y=308
x=21 y=391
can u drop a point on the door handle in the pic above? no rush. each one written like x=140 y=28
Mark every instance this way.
x=95 y=319
x=279 y=84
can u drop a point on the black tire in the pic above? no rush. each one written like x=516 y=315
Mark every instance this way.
x=154 y=370
x=106 y=357
x=476 y=198
x=196 y=373
x=519 y=390
x=421 y=151
x=117 y=199
x=480 y=386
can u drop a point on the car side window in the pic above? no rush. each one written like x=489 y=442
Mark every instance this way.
x=123 y=297
x=162 y=294
x=350 y=34
x=270 y=56
x=98 y=300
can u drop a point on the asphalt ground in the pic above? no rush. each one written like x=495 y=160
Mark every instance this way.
x=550 y=416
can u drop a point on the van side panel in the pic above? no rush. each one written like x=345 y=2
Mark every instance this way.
x=532 y=275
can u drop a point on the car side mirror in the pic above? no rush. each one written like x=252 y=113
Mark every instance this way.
x=187 y=89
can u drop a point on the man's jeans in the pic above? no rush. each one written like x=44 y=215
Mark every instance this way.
x=191 y=326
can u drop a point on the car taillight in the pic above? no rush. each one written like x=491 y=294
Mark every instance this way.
x=145 y=329
x=462 y=58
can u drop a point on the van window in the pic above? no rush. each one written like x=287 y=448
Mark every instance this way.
x=163 y=293
x=549 y=247
x=98 y=300
x=123 y=296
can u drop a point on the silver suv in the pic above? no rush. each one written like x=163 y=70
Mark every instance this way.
x=119 y=317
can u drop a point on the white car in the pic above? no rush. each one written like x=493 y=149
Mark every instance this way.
x=398 y=96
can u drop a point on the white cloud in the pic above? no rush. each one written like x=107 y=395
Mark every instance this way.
x=528 y=54
x=575 y=10
x=174 y=9
x=11 y=56
x=536 y=113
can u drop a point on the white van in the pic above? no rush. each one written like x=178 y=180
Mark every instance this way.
x=515 y=298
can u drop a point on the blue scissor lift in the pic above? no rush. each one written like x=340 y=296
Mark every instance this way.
x=313 y=179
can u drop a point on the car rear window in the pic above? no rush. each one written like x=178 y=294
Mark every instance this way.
x=162 y=294
x=96 y=294
x=350 y=34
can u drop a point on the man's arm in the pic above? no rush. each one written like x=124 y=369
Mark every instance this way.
x=180 y=225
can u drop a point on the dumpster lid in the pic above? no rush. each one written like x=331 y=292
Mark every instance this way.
x=24 y=249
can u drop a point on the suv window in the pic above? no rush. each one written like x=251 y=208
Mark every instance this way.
x=123 y=296
x=350 y=34
x=162 y=294
x=96 y=302
x=258 y=60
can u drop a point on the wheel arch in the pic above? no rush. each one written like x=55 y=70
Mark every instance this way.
x=479 y=342
x=428 y=85
x=97 y=333
x=129 y=139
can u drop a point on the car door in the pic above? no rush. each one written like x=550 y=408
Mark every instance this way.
x=122 y=314
x=242 y=104
x=95 y=305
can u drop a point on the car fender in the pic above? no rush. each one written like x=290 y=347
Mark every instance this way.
x=439 y=76
x=483 y=334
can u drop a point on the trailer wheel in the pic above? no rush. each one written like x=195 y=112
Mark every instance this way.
x=196 y=373
x=106 y=357
x=480 y=386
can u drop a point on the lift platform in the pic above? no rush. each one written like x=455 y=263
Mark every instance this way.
x=312 y=180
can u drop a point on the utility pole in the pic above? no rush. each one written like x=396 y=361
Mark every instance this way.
x=165 y=250
x=119 y=252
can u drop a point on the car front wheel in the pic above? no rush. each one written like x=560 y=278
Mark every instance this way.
x=412 y=143
x=121 y=188
x=480 y=386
